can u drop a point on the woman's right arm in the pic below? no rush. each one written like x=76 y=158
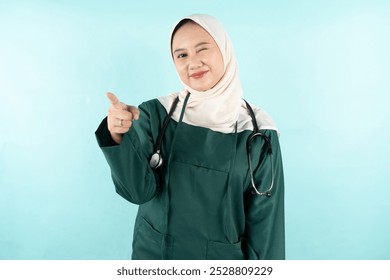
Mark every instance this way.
x=133 y=178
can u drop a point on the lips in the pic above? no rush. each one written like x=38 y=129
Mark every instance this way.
x=198 y=75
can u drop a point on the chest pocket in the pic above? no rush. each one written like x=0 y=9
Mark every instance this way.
x=203 y=147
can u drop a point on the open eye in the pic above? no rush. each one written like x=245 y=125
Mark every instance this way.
x=181 y=55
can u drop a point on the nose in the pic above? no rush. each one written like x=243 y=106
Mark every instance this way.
x=195 y=62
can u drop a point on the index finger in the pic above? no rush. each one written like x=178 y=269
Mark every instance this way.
x=113 y=99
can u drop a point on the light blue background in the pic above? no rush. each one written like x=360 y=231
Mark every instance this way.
x=320 y=68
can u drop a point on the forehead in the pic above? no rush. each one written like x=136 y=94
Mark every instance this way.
x=190 y=33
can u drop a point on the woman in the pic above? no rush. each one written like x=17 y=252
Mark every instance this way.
x=205 y=191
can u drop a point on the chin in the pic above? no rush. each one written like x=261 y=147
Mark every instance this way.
x=201 y=88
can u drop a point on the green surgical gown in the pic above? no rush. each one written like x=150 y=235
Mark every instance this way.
x=199 y=204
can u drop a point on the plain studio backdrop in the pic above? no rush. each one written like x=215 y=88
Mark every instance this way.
x=320 y=68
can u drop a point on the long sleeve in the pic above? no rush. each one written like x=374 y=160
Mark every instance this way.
x=133 y=178
x=264 y=224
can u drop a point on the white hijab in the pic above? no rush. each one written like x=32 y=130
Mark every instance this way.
x=221 y=107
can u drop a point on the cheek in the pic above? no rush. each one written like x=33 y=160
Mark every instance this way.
x=218 y=69
x=180 y=69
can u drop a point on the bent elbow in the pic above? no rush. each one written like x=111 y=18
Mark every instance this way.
x=137 y=192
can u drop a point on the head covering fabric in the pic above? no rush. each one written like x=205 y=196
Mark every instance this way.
x=222 y=106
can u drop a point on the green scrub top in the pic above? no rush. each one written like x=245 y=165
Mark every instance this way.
x=199 y=204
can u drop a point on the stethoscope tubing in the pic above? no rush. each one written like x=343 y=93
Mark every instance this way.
x=157 y=160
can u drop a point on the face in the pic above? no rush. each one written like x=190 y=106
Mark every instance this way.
x=197 y=57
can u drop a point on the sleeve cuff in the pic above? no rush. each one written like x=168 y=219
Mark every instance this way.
x=103 y=135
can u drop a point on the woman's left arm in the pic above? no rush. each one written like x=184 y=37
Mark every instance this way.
x=264 y=224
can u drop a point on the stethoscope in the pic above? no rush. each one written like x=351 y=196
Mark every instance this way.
x=156 y=160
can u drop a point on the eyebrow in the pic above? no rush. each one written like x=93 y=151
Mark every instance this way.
x=197 y=45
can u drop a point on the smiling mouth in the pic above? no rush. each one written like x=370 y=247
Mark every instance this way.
x=198 y=75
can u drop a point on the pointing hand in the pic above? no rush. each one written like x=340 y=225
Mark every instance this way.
x=120 y=117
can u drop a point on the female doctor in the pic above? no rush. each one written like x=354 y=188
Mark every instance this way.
x=203 y=165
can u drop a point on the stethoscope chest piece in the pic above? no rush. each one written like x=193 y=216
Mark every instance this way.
x=156 y=160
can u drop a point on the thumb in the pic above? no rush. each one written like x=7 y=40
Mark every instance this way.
x=113 y=99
